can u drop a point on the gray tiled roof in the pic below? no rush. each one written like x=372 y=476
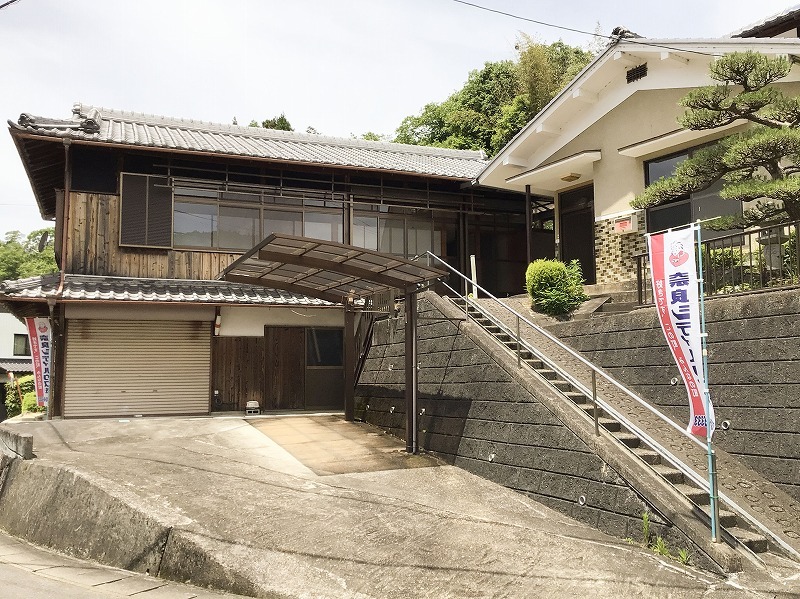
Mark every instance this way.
x=753 y=28
x=16 y=364
x=124 y=289
x=103 y=125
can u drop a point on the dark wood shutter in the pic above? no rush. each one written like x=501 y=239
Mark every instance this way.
x=146 y=212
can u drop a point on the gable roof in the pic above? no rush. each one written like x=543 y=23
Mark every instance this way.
x=108 y=126
x=44 y=160
x=602 y=85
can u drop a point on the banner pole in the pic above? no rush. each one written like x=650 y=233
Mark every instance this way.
x=712 y=458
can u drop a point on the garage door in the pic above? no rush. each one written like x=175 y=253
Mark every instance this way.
x=132 y=368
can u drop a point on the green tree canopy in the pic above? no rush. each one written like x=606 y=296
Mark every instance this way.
x=497 y=100
x=279 y=122
x=760 y=164
x=20 y=256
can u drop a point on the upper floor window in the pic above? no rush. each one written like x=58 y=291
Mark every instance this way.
x=22 y=346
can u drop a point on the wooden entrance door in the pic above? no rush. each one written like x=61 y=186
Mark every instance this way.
x=285 y=367
x=576 y=210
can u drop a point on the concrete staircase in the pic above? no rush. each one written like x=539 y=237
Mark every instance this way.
x=736 y=531
x=615 y=298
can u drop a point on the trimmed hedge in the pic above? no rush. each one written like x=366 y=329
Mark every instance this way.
x=555 y=288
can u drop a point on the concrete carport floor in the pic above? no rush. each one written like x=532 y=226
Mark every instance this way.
x=395 y=526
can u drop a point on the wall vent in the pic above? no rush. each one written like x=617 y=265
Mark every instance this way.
x=636 y=73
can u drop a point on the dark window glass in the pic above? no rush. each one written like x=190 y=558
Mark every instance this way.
x=669 y=216
x=22 y=346
x=195 y=224
x=238 y=227
x=324 y=347
x=663 y=167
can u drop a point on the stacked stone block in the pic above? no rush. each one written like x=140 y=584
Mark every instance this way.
x=754 y=370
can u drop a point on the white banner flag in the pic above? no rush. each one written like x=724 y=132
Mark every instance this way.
x=677 y=298
x=39 y=336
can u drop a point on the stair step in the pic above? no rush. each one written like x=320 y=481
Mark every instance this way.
x=561 y=385
x=669 y=473
x=695 y=495
x=535 y=364
x=610 y=424
x=648 y=455
x=628 y=439
x=576 y=396
x=752 y=540
x=547 y=373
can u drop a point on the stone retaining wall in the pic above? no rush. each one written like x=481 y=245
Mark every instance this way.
x=494 y=420
x=754 y=369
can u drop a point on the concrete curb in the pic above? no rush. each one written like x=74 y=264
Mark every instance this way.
x=16 y=445
x=64 y=510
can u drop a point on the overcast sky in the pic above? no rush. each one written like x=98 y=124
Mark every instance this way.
x=341 y=66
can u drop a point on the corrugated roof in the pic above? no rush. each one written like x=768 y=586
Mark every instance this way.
x=125 y=289
x=104 y=125
x=16 y=364
x=786 y=14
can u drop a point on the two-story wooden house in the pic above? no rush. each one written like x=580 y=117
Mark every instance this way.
x=149 y=210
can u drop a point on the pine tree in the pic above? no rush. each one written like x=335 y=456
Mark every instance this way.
x=760 y=164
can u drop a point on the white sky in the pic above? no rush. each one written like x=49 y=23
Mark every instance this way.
x=342 y=66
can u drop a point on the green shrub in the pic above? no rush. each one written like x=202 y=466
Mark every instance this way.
x=555 y=288
x=28 y=388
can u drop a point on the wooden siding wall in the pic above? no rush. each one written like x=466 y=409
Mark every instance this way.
x=285 y=368
x=238 y=371
x=93 y=247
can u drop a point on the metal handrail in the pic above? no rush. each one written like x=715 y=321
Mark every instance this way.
x=696 y=478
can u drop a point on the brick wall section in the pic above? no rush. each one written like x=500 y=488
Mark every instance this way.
x=614 y=254
x=754 y=369
x=480 y=417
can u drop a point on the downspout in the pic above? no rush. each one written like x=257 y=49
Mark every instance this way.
x=55 y=331
x=65 y=214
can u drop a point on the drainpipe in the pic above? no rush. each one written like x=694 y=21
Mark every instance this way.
x=55 y=344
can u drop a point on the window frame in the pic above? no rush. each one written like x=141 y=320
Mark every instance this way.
x=26 y=344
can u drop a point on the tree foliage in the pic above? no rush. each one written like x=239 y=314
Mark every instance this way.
x=279 y=122
x=497 y=100
x=20 y=256
x=759 y=165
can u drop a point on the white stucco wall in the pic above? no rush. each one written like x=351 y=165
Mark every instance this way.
x=250 y=321
x=9 y=326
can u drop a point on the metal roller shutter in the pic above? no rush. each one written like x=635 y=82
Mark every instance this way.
x=130 y=368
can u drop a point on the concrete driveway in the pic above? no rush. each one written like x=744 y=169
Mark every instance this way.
x=311 y=506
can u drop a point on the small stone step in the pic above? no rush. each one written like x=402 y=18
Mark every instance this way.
x=629 y=439
x=547 y=373
x=576 y=397
x=647 y=455
x=669 y=473
x=695 y=495
x=752 y=540
x=561 y=385
x=610 y=424
x=535 y=364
